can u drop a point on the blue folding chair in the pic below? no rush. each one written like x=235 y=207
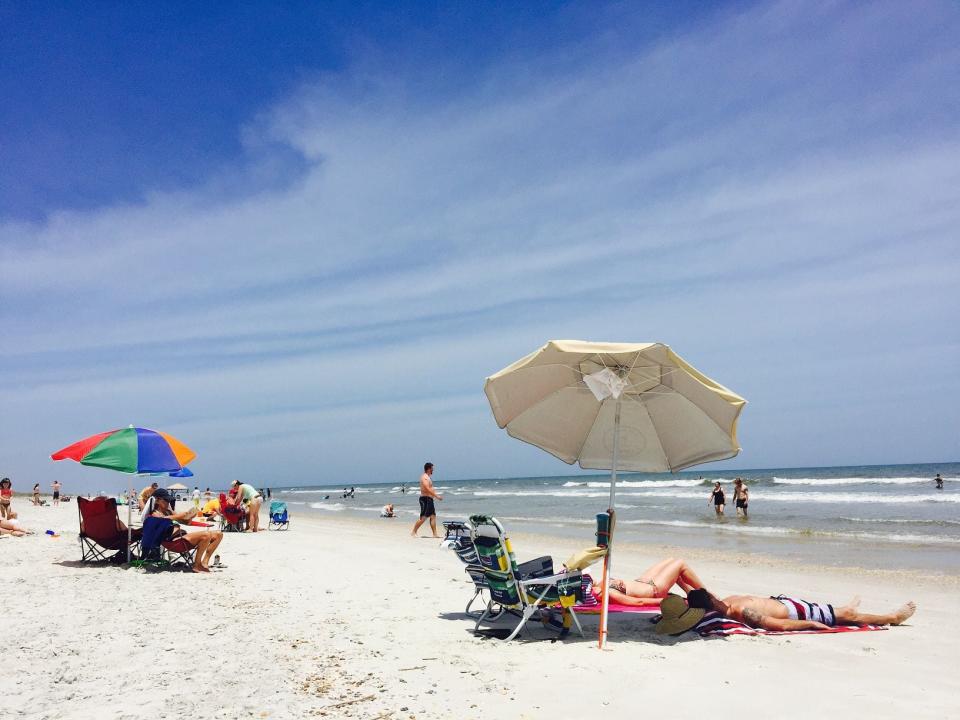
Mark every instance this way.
x=279 y=520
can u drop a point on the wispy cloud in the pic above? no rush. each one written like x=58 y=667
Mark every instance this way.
x=774 y=193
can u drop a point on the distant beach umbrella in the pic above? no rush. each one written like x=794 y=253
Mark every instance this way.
x=612 y=406
x=132 y=450
x=177 y=487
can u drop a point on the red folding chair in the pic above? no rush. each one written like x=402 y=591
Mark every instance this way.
x=101 y=530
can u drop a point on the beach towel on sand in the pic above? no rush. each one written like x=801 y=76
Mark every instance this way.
x=715 y=624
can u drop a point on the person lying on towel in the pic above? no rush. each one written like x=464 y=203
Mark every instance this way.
x=654 y=584
x=787 y=613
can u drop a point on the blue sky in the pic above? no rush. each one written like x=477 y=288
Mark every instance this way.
x=299 y=237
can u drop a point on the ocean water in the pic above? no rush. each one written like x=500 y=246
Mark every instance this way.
x=884 y=516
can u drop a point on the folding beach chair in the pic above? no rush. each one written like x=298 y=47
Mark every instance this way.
x=100 y=530
x=457 y=537
x=278 y=516
x=525 y=588
x=232 y=518
x=158 y=552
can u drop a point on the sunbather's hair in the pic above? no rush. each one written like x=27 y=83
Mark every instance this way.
x=700 y=598
x=7 y=481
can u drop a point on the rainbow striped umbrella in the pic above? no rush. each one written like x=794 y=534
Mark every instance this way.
x=130 y=450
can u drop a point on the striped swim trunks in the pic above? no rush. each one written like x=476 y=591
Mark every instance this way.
x=803 y=610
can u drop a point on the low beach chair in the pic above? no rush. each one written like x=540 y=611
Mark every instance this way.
x=524 y=588
x=158 y=552
x=278 y=516
x=232 y=518
x=457 y=537
x=100 y=530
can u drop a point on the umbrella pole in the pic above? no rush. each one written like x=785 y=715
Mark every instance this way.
x=129 y=516
x=613 y=496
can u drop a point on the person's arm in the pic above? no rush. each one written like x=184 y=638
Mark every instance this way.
x=756 y=619
x=184 y=516
x=430 y=491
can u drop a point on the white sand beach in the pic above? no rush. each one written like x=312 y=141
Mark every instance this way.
x=356 y=619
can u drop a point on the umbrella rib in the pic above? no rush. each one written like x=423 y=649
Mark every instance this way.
x=587 y=434
x=655 y=432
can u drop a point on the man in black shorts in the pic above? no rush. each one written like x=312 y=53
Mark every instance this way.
x=427 y=496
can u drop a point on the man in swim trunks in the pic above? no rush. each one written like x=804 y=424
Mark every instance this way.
x=787 y=613
x=741 y=496
x=56 y=493
x=654 y=584
x=427 y=496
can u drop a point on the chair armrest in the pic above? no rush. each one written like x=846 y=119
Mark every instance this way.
x=550 y=580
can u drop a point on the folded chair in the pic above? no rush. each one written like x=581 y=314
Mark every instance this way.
x=457 y=538
x=100 y=530
x=524 y=588
x=232 y=518
x=278 y=516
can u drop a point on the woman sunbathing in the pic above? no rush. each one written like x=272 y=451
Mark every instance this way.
x=8 y=527
x=654 y=584
x=205 y=541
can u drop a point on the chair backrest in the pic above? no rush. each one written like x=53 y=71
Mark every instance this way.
x=98 y=517
x=277 y=507
x=495 y=554
x=231 y=512
x=457 y=537
x=502 y=573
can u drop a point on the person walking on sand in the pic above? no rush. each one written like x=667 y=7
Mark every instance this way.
x=427 y=496
x=196 y=497
x=741 y=497
x=56 y=493
x=716 y=495
x=36 y=495
x=939 y=481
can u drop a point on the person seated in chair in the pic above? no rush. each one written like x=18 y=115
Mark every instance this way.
x=205 y=541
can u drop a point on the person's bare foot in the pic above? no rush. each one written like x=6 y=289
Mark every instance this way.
x=414 y=535
x=903 y=613
x=852 y=605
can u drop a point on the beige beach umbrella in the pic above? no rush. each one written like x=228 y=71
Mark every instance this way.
x=616 y=406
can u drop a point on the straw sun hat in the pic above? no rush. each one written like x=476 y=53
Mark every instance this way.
x=675 y=617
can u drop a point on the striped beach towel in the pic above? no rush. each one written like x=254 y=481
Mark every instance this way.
x=715 y=624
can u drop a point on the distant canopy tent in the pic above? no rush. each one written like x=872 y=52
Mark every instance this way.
x=132 y=450
x=616 y=406
x=177 y=487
